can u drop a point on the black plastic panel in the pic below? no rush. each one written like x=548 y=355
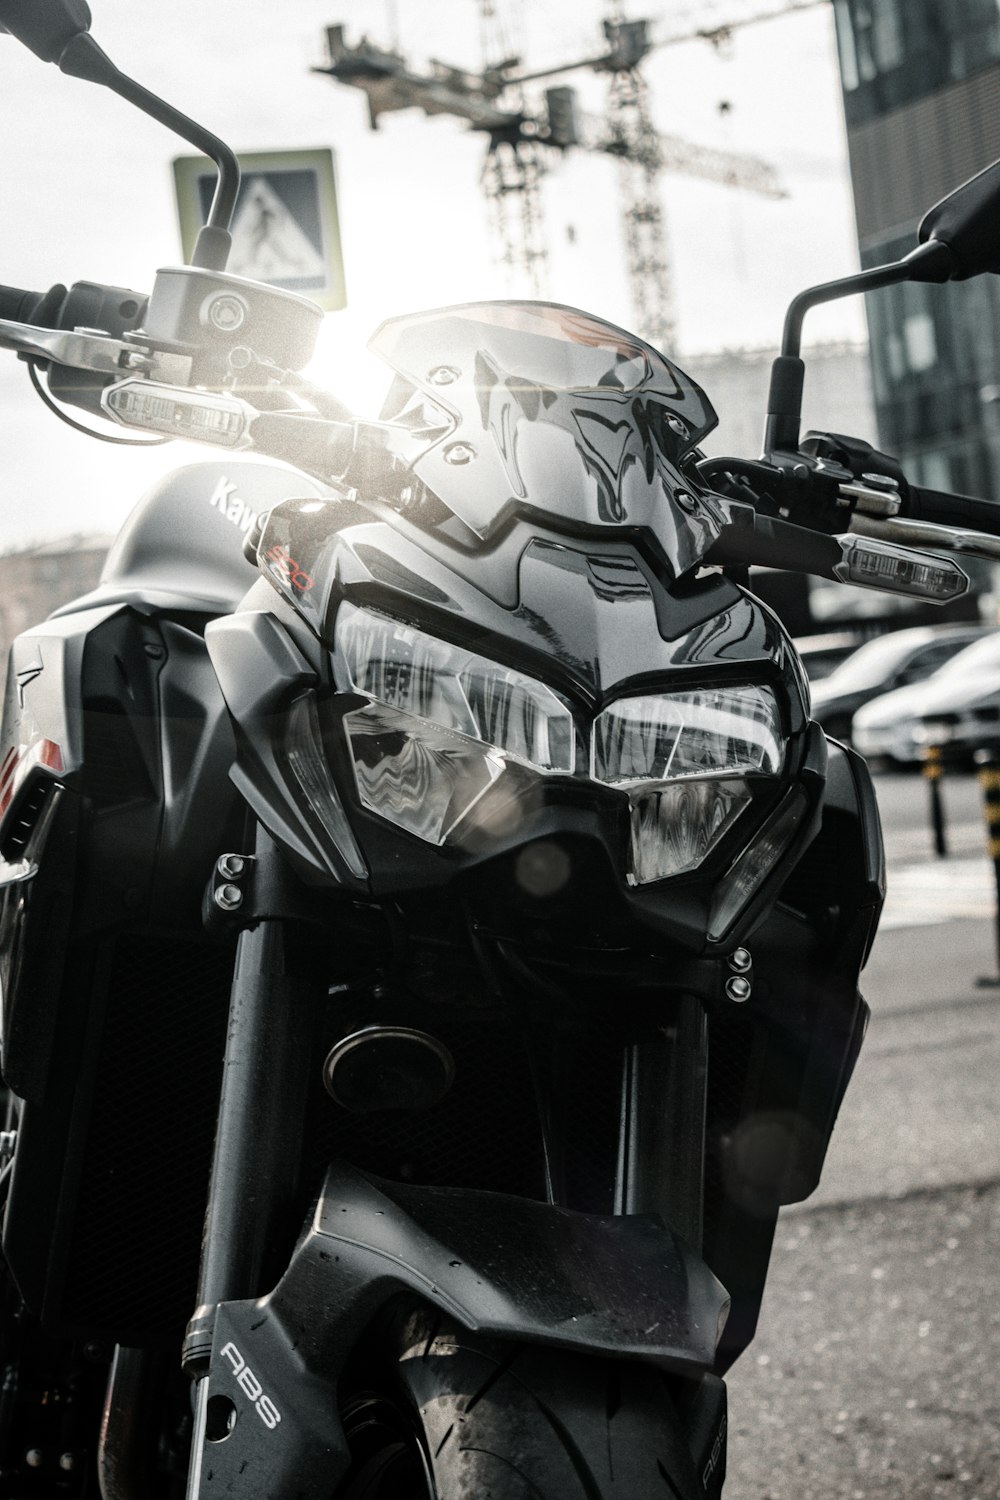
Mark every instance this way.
x=621 y=1287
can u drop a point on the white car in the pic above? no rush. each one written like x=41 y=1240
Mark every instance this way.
x=888 y=661
x=957 y=707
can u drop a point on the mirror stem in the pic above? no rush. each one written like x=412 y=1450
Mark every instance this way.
x=929 y=262
x=83 y=58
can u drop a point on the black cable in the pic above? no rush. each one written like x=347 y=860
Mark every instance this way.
x=102 y=437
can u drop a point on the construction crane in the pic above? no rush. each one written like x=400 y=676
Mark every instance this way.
x=517 y=159
x=718 y=33
x=643 y=155
x=524 y=138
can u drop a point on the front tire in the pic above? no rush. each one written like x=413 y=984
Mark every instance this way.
x=442 y=1414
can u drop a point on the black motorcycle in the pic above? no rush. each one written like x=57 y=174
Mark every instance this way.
x=438 y=828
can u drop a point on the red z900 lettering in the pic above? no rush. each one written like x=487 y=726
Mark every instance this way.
x=285 y=567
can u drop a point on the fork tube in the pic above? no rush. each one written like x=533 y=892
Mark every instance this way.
x=258 y=1140
x=661 y=1153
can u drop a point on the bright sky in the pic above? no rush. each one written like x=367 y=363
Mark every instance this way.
x=86 y=190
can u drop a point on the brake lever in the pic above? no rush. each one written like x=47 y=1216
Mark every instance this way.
x=874 y=499
x=91 y=350
x=82 y=351
x=793 y=487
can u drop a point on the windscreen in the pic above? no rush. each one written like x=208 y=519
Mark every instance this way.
x=541 y=408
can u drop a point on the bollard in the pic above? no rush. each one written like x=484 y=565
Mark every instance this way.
x=988 y=772
x=933 y=769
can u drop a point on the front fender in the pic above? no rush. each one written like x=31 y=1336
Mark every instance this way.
x=531 y=1272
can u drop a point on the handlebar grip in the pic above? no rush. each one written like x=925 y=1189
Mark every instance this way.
x=944 y=509
x=18 y=305
x=41 y=309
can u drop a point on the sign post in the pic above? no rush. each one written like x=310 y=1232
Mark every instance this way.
x=285 y=228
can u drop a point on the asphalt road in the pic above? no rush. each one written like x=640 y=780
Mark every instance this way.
x=876 y=1371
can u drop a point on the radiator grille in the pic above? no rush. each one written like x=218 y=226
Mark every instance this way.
x=483 y=1133
x=133 y=1262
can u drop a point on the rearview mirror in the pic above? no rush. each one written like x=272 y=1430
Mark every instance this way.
x=58 y=31
x=958 y=238
x=46 y=26
x=968 y=222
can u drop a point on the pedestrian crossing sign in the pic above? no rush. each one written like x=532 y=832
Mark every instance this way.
x=285 y=228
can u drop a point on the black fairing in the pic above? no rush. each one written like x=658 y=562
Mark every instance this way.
x=595 y=621
x=782 y=1062
x=548 y=516
x=114 y=998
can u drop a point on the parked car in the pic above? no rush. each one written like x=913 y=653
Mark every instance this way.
x=963 y=715
x=822 y=654
x=899 y=725
x=890 y=661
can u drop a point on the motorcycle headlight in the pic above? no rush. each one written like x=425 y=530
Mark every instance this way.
x=442 y=725
x=683 y=759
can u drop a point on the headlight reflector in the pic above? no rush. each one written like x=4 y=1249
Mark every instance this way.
x=420 y=776
x=674 y=827
x=698 y=746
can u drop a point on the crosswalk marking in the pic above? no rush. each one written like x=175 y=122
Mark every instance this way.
x=268 y=244
x=902 y=844
x=925 y=895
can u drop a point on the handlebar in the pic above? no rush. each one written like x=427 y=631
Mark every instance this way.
x=803 y=501
x=939 y=508
x=832 y=483
x=314 y=443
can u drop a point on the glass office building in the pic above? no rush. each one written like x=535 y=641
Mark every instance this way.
x=921 y=81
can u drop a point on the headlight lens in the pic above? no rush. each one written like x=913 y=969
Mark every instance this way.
x=713 y=732
x=455 y=689
x=699 y=746
x=421 y=777
x=754 y=864
x=444 y=722
x=305 y=758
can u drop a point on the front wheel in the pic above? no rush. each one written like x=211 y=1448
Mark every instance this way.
x=432 y=1412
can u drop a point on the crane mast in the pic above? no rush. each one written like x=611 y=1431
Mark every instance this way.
x=632 y=137
x=512 y=171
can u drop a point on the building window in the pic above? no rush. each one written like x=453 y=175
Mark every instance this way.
x=892 y=52
x=887 y=34
x=921 y=345
x=870 y=39
x=895 y=358
x=849 y=74
x=933 y=471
